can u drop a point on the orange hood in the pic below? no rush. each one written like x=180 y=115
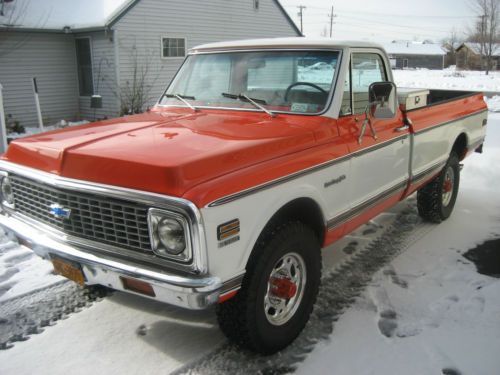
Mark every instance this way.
x=166 y=151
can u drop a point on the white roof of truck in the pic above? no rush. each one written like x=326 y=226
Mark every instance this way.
x=296 y=42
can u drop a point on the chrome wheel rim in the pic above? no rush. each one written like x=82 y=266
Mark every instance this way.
x=448 y=184
x=285 y=289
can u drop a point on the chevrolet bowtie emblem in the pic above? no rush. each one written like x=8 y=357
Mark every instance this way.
x=59 y=211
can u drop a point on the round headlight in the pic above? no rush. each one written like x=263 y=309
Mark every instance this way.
x=171 y=235
x=7 y=194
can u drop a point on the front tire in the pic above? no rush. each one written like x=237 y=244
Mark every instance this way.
x=278 y=291
x=436 y=200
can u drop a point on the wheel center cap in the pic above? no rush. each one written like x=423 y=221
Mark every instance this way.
x=447 y=186
x=282 y=287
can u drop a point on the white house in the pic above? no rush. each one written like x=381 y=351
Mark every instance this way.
x=122 y=50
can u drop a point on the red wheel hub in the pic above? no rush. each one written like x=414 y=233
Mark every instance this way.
x=447 y=186
x=282 y=287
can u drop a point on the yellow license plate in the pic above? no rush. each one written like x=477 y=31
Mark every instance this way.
x=68 y=270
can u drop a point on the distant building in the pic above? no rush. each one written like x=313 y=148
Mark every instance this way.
x=469 y=57
x=106 y=48
x=415 y=55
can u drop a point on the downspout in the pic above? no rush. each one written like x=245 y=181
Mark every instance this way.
x=117 y=69
x=3 y=127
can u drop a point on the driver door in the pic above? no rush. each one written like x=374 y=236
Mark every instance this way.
x=380 y=162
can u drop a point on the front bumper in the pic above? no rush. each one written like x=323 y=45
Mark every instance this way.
x=188 y=292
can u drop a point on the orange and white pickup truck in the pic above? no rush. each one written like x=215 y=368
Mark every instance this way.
x=258 y=154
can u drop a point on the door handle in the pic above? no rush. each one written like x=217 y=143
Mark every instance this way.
x=402 y=128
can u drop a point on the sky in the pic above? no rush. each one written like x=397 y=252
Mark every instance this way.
x=384 y=20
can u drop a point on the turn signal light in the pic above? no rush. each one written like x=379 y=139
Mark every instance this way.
x=138 y=286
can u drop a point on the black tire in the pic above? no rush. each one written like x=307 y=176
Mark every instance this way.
x=243 y=319
x=431 y=202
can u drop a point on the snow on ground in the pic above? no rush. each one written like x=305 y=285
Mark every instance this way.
x=449 y=79
x=21 y=271
x=427 y=312
x=34 y=130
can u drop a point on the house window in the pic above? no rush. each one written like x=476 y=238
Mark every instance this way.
x=173 y=47
x=84 y=66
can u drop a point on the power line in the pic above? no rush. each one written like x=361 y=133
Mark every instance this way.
x=358 y=12
x=385 y=30
x=394 y=25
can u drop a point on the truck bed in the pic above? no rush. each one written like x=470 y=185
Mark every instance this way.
x=436 y=97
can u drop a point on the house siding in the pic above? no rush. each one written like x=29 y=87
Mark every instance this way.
x=140 y=31
x=419 y=61
x=468 y=59
x=51 y=59
x=103 y=72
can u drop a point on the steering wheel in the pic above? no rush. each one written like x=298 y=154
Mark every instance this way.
x=289 y=88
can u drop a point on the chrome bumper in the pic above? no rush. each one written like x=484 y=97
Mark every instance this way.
x=188 y=292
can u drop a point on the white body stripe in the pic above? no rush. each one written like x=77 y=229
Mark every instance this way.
x=435 y=144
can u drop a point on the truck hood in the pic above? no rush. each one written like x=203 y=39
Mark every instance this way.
x=165 y=152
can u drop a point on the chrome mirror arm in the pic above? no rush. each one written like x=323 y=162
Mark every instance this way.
x=368 y=121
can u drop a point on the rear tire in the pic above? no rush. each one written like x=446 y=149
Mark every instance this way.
x=436 y=200
x=278 y=291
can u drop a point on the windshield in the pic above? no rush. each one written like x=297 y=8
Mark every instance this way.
x=275 y=81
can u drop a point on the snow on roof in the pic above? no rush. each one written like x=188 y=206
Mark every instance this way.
x=413 y=48
x=57 y=14
x=476 y=48
x=284 y=42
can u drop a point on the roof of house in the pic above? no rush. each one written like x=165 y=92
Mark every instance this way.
x=56 y=15
x=476 y=48
x=284 y=43
x=413 y=48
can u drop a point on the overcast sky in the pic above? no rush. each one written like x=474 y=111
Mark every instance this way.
x=384 y=20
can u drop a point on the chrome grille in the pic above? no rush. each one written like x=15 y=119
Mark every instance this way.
x=115 y=222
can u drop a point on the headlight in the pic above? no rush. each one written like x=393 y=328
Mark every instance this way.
x=7 y=194
x=169 y=234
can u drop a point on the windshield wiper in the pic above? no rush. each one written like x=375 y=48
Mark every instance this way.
x=254 y=101
x=183 y=98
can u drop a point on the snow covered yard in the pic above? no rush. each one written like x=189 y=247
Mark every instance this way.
x=449 y=79
x=398 y=297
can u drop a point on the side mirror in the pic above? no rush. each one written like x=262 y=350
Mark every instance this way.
x=383 y=100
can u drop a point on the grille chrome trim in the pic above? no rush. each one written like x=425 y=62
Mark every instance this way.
x=181 y=206
x=115 y=222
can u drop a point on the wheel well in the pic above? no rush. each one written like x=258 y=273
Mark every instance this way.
x=305 y=210
x=460 y=146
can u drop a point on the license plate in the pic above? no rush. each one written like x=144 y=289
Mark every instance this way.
x=69 y=270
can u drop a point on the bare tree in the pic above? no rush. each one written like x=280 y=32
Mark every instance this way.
x=450 y=43
x=486 y=29
x=135 y=93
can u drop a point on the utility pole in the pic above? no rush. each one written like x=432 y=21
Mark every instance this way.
x=332 y=16
x=301 y=9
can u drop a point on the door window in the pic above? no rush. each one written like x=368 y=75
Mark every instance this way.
x=365 y=69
